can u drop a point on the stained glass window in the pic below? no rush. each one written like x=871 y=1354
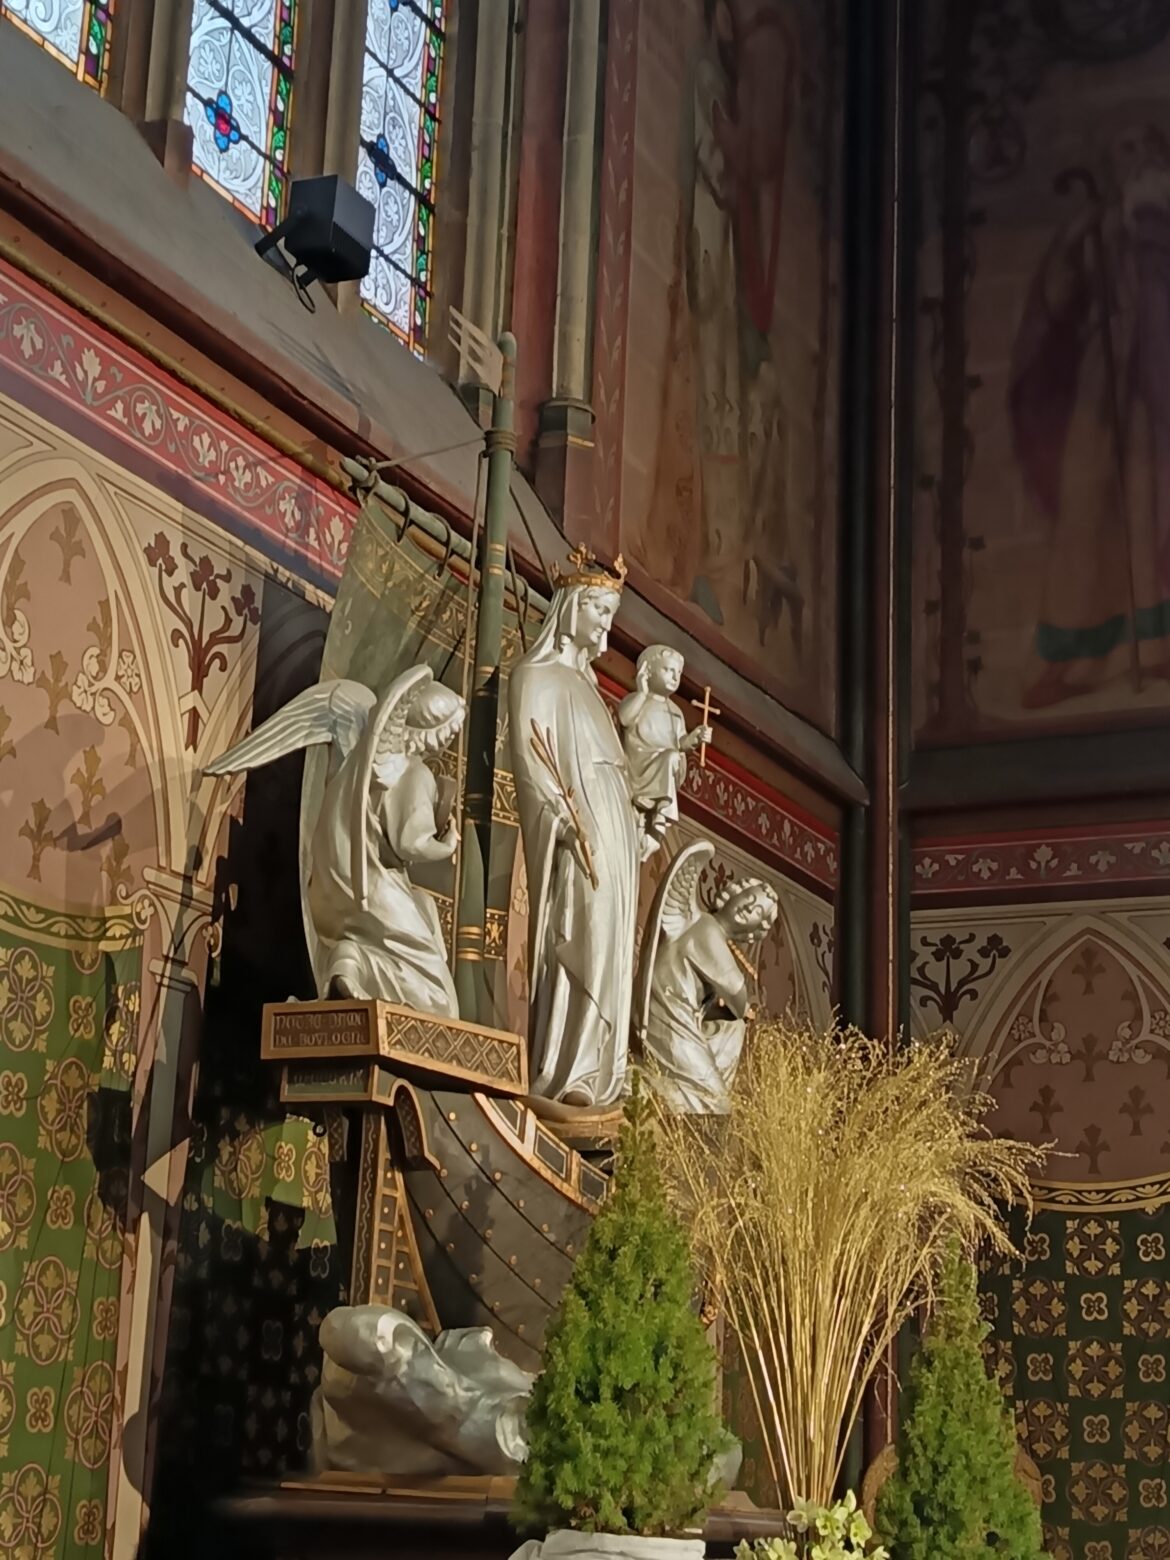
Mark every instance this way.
x=239 y=89
x=77 y=32
x=396 y=163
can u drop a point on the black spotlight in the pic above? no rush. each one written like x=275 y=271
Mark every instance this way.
x=328 y=234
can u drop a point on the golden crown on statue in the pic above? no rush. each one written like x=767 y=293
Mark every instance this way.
x=587 y=571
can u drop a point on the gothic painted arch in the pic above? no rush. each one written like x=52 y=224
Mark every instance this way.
x=1066 y=1016
x=129 y=673
x=1148 y=976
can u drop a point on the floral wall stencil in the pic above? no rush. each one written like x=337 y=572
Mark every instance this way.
x=69 y=1009
x=1066 y=1011
x=209 y=618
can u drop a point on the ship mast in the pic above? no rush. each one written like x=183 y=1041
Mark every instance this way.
x=471 y=983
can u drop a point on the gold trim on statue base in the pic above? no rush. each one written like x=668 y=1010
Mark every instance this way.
x=467 y=1489
x=582 y=1127
x=316 y=1083
x=438 y=1050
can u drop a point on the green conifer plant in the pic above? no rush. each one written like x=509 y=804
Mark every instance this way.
x=622 y=1428
x=954 y=1493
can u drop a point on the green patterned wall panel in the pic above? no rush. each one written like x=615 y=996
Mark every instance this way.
x=1081 y=1344
x=69 y=998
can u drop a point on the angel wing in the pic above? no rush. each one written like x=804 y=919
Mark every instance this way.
x=385 y=732
x=674 y=908
x=331 y=712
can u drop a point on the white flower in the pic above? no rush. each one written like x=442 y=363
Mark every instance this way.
x=803 y=1515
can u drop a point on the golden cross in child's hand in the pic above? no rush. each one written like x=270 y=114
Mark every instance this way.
x=708 y=709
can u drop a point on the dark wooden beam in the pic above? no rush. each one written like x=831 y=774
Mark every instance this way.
x=1082 y=767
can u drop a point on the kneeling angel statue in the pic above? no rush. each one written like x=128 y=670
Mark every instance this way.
x=372 y=933
x=693 y=996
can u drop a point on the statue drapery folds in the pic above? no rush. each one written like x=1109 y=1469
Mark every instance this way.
x=576 y=814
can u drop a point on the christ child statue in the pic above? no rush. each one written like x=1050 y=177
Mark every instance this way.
x=656 y=741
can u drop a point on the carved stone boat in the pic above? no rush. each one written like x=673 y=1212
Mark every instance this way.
x=466 y=1208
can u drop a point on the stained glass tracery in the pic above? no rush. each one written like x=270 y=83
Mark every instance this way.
x=396 y=161
x=239 y=92
x=76 y=32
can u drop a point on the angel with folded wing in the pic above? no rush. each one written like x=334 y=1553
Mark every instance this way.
x=372 y=933
x=693 y=993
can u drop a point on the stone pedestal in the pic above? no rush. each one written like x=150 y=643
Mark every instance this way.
x=356 y=1064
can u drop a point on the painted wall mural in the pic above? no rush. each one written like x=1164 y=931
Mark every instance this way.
x=1063 y=1005
x=717 y=411
x=1042 y=534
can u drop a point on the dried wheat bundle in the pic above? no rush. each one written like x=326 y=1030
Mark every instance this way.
x=821 y=1209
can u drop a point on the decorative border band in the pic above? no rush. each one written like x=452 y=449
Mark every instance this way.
x=764 y=819
x=110 y=930
x=118 y=391
x=1149 y=1193
x=1082 y=859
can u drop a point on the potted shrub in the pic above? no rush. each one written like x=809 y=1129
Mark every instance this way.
x=955 y=1490
x=622 y=1430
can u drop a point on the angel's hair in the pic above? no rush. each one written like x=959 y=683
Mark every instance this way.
x=747 y=889
x=435 y=715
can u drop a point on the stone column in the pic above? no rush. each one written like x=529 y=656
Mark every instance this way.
x=486 y=192
x=165 y=87
x=344 y=110
x=180 y=910
x=341 y=134
x=575 y=266
x=565 y=444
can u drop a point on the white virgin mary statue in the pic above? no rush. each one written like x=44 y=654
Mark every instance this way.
x=582 y=844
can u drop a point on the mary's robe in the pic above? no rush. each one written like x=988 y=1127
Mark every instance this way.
x=581 y=949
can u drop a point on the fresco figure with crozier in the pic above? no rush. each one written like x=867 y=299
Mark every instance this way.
x=1090 y=416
